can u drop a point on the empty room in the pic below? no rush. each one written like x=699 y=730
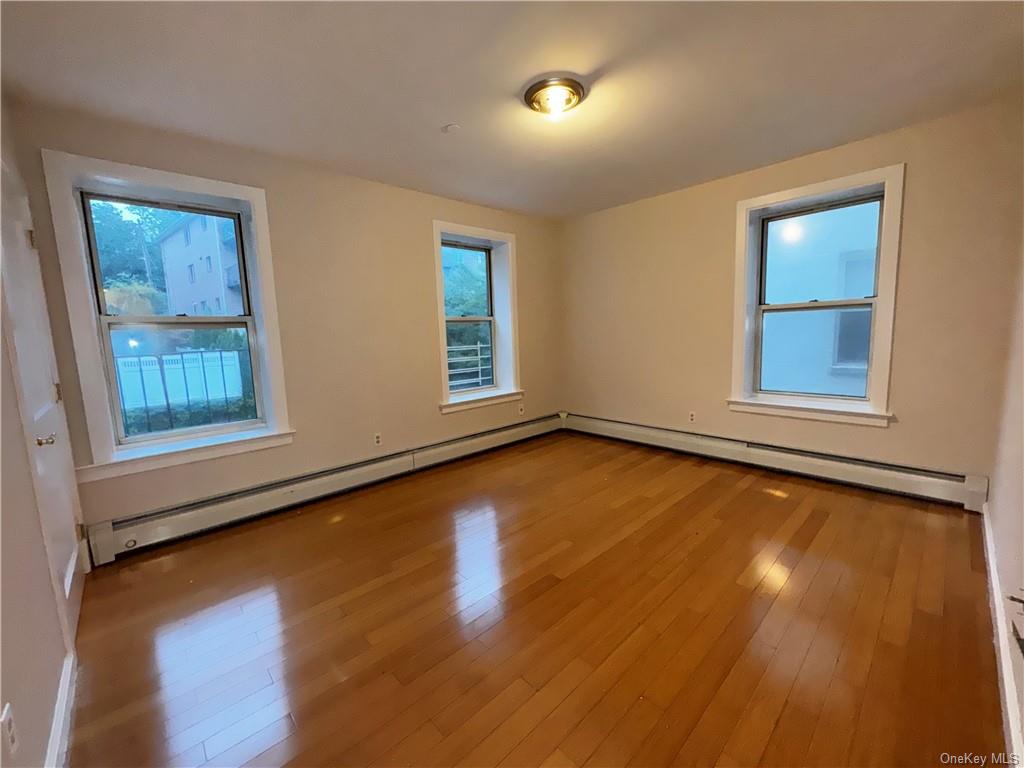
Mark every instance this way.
x=512 y=384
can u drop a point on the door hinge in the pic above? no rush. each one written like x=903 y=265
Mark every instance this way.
x=81 y=533
x=30 y=235
x=58 y=391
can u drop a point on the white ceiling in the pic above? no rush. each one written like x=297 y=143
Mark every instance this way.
x=681 y=93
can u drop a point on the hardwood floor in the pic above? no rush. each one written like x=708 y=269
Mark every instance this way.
x=569 y=601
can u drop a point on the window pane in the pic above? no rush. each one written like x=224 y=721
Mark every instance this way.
x=466 y=292
x=173 y=377
x=470 y=360
x=825 y=255
x=157 y=261
x=816 y=351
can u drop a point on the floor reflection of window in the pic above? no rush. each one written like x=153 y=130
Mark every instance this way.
x=477 y=560
x=209 y=694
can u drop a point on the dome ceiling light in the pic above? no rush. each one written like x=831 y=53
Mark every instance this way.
x=554 y=95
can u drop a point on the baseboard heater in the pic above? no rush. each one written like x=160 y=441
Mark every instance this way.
x=969 y=490
x=111 y=538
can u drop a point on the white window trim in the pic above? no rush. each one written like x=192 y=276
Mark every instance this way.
x=505 y=346
x=874 y=410
x=65 y=175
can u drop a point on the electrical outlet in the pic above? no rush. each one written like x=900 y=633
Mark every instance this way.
x=693 y=416
x=520 y=409
x=377 y=440
x=7 y=724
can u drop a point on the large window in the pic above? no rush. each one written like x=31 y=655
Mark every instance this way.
x=815 y=312
x=469 y=317
x=171 y=368
x=169 y=287
x=476 y=316
x=815 y=299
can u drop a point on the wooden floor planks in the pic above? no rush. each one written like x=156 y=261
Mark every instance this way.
x=567 y=601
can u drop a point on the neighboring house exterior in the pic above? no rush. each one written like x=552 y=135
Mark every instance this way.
x=200 y=259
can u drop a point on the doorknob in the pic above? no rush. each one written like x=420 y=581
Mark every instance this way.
x=48 y=440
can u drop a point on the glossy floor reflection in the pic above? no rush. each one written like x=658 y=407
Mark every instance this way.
x=477 y=557
x=565 y=601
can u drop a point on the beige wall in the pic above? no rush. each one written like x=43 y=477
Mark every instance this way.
x=31 y=640
x=648 y=298
x=625 y=313
x=1006 y=495
x=354 y=267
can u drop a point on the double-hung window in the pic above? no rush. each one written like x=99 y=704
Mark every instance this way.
x=170 y=368
x=815 y=299
x=476 y=298
x=172 y=359
x=469 y=316
x=815 y=322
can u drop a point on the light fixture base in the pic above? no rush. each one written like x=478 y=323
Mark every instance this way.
x=554 y=95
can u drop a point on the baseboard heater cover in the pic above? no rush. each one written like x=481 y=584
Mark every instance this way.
x=110 y=538
x=969 y=490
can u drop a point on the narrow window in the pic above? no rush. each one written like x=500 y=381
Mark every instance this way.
x=187 y=234
x=169 y=372
x=469 y=317
x=209 y=261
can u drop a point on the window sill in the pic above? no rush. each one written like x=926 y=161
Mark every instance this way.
x=478 y=399
x=815 y=409
x=129 y=460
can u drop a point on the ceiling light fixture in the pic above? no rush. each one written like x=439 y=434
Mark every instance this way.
x=554 y=95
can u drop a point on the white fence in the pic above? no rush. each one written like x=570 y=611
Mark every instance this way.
x=186 y=378
x=470 y=366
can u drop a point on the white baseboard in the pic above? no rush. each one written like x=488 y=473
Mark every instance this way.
x=971 y=491
x=1013 y=727
x=108 y=539
x=60 y=726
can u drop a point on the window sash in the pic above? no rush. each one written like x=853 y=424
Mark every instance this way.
x=494 y=362
x=766 y=309
x=762 y=271
x=94 y=263
x=111 y=322
x=108 y=322
x=490 y=289
x=814 y=304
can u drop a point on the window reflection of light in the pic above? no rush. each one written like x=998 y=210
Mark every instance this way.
x=766 y=569
x=196 y=656
x=776 y=493
x=776 y=577
x=793 y=232
x=477 y=560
